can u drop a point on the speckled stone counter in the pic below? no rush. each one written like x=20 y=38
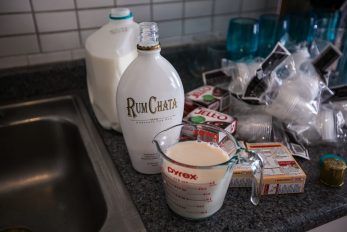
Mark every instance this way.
x=296 y=212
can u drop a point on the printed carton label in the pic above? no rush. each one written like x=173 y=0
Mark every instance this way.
x=203 y=115
x=281 y=173
x=208 y=96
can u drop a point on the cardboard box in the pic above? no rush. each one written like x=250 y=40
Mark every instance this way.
x=207 y=96
x=206 y=116
x=217 y=77
x=282 y=174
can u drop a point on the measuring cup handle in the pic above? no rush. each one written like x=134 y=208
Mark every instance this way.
x=256 y=163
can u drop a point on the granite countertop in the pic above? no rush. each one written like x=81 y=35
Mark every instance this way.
x=293 y=212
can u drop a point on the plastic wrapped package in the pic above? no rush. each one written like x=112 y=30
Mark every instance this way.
x=289 y=106
x=240 y=80
x=299 y=98
x=327 y=127
x=260 y=127
x=300 y=56
x=340 y=108
x=241 y=74
x=237 y=106
x=254 y=128
x=268 y=79
x=341 y=105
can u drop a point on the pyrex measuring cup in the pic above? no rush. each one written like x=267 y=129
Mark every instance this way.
x=196 y=191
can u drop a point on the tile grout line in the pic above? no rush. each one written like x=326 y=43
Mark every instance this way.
x=93 y=28
x=183 y=31
x=35 y=25
x=212 y=15
x=151 y=13
x=78 y=27
x=240 y=8
x=37 y=53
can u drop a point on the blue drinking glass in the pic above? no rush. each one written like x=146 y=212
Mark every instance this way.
x=242 y=39
x=341 y=78
x=299 y=26
x=271 y=30
x=325 y=24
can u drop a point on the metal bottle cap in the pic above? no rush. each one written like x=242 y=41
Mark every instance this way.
x=332 y=172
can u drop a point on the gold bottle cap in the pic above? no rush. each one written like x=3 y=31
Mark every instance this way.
x=332 y=172
x=150 y=48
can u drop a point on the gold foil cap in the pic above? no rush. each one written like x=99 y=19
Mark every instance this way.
x=332 y=172
x=150 y=48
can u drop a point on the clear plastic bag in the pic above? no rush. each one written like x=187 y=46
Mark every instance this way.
x=254 y=127
x=329 y=126
x=267 y=80
x=340 y=107
x=298 y=99
x=241 y=74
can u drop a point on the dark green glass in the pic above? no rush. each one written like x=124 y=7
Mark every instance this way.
x=242 y=39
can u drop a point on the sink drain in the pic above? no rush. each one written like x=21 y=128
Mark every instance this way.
x=15 y=229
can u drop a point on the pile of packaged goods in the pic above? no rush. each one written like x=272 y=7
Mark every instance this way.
x=271 y=100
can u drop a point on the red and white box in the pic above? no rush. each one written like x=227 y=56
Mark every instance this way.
x=282 y=174
x=206 y=116
x=207 y=96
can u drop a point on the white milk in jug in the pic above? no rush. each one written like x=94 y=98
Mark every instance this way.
x=109 y=51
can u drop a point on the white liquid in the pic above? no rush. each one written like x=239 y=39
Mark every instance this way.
x=103 y=78
x=195 y=193
x=109 y=51
x=150 y=99
x=197 y=153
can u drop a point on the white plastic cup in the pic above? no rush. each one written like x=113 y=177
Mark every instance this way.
x=326 y=124
x=255 y=127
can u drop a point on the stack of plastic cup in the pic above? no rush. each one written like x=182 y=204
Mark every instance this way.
x=254 y=128
x=304 y=86
x=288 y=106
x=326 y=125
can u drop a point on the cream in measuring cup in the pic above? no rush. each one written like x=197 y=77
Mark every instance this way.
x=197 y=168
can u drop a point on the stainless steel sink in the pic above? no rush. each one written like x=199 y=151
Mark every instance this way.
x=55 y=173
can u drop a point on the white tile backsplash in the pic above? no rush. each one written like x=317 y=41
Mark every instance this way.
x=167 y=11
x=78 y=54
x=93 y=18
x=227 y=6
x=131 y=2
x=40 y=5
x=9 y=6
x=16 y=24
x=56 y=21
x=39 y=31
x=158 y=1
x=85 y=34
x=272 y=4
x=141 y=13
x=221 y=23
x=13 y=61
x=17 y=45
x=170 y=28
x=94 y=3
x=196 y=26
x=251 y=5
x=254 y=15
x=49 y=57
x=198 y=8
x=59 y=41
